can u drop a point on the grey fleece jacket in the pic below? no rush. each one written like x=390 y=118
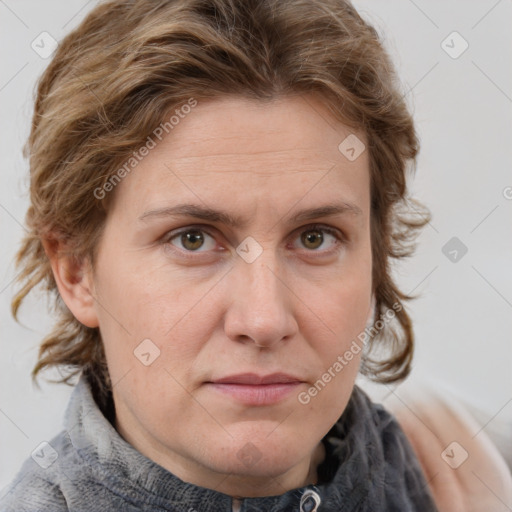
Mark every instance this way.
x=369 y=466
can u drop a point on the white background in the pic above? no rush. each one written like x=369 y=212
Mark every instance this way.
x=463 y=110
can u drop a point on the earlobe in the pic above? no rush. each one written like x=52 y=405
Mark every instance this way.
x=74 y=281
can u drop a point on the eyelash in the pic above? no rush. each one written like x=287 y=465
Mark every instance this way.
x=168 y=237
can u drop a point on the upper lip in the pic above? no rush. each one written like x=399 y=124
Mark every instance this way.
x=255 y=379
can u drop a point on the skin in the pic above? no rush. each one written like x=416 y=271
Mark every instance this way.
x=294 y=309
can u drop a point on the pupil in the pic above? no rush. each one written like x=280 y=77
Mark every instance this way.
x=192 y=239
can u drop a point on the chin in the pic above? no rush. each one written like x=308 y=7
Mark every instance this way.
x=259 y=455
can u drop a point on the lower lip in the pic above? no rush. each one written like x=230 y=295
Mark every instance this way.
x=263 y=394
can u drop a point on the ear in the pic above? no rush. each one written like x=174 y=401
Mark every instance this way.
x=74 y=281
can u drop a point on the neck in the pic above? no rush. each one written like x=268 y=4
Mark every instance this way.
x=235 y=485
x=299 y=476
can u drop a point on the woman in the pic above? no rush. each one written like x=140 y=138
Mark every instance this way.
x=217 y=191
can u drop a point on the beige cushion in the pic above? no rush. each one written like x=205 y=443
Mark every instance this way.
x=464 y=468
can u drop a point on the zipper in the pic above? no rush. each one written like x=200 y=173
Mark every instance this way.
x=310 y=501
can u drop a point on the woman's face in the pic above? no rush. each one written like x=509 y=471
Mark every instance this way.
x=215 y=271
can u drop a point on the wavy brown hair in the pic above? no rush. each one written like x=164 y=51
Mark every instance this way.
x=116 y=77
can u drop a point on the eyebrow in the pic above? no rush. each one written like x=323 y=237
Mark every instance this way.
x=223 y=217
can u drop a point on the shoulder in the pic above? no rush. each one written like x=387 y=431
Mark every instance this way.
x=37 y=485
x=465 y=471
x=373 y=439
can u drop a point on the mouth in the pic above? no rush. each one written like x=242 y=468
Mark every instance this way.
x=256 y=390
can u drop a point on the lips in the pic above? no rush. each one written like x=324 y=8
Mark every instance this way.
x=256 y=390
x=255 y=380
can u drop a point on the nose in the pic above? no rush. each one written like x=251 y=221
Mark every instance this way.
x=261 y=307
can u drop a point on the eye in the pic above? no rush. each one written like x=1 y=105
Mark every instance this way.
x=194 y=239
x=316 y=237
x=191 y=240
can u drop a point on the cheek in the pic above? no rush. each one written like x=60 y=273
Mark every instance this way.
x=152 y=315
x=139 y=296
x=341 y=307
x=342 y=310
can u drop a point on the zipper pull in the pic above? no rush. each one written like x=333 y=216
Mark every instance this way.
x=310 y=501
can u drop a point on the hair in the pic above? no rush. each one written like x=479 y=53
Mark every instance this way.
x=117 y=76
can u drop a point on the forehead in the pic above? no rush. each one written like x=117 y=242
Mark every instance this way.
x=233 y=125
x=252 y=154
